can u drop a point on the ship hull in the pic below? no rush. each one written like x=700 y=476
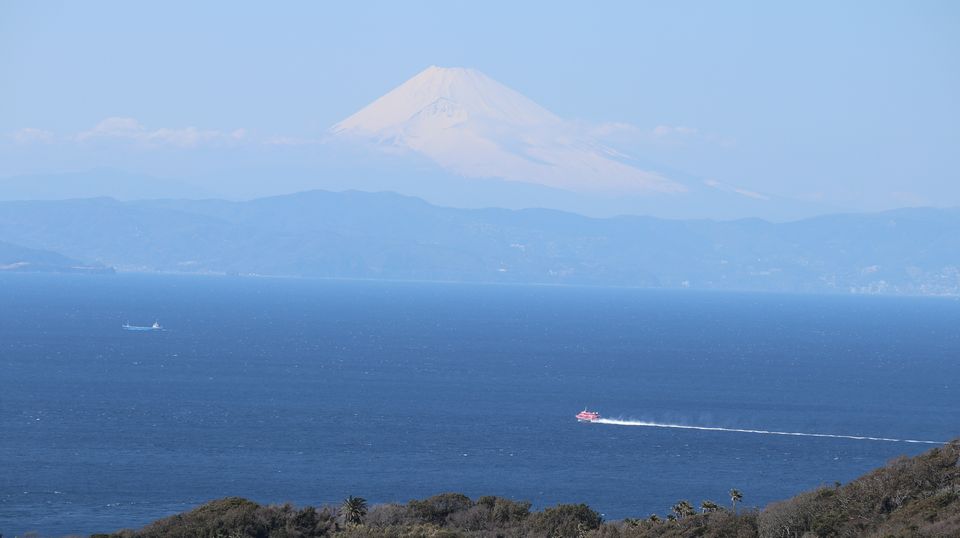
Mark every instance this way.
x=587 y=416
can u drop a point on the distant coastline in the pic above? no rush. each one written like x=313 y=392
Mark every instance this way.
x=386 y=236
x=232 y=275
x=28 y=267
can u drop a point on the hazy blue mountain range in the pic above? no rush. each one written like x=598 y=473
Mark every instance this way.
x=17 y=258
x=98 y=182
x=338 y=166
x=384 y=235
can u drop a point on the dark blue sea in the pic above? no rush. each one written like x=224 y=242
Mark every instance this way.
x=309 y=391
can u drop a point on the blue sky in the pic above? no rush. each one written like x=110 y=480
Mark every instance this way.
x=856 y=104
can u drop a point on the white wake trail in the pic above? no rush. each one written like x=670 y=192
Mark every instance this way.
x=615 y=422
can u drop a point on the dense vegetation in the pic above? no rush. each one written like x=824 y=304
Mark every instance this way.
x=915 y=497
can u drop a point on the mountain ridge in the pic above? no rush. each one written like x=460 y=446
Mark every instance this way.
x=16 y=258
x=385 y=235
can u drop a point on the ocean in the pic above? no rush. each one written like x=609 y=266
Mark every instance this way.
x=308 y=391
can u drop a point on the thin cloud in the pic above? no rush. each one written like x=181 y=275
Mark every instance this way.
x=122 y=128
x=613 y=128
x=910 y=199
x=674 y=130
x=292 y=141
x=659 y=135
x=616 y=128
x=730 y=188
x=32 y=135
x=130 y=130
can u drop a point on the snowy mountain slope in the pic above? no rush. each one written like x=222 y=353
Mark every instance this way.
x=472 y=125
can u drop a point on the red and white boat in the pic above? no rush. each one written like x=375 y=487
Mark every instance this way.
x=588 y=416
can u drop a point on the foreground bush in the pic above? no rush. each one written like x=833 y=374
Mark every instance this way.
x=910 y=497
x=234 y=517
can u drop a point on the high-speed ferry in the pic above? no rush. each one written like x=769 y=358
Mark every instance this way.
x=588 y=416
x=155 y=327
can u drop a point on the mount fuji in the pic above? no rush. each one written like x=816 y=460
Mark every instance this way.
x=472 y=126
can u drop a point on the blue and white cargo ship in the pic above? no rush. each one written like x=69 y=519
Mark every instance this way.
x=155 y=327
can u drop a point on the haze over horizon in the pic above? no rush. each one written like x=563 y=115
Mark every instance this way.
x=724 y=112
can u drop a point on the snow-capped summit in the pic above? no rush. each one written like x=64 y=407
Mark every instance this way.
x=457 y=93
x=472 y=125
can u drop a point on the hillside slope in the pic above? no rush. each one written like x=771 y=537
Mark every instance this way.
x=22 y=259
x=916 y=497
